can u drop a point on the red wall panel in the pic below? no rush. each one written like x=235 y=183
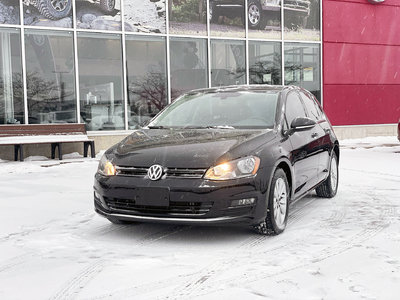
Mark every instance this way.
x=361 y=62
x=361 y=23
x=386 y=2
x=362 y=104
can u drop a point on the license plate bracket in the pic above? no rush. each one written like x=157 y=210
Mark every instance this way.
x=152 y=197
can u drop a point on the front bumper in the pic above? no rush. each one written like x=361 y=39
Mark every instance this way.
x=190 y=201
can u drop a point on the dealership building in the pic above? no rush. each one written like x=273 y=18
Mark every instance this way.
x=114 y=64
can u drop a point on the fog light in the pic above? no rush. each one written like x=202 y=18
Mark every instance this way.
x=97 y=195
x=242 y=202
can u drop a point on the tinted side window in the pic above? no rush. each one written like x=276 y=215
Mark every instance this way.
x=318 y=106
x=294 y=108
x=312 y=109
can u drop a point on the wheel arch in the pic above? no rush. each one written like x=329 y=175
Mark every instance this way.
x=284 y=164
x=285 y=167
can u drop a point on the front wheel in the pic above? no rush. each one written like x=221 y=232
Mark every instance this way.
x=256 y=18
x=278 y=206
x=54 y=9
x=328 y=188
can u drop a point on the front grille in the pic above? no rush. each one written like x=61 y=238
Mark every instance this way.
x=131 y=171
x=174 y=208
x=169 y=172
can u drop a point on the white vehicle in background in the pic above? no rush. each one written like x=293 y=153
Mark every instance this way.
x=58 y=9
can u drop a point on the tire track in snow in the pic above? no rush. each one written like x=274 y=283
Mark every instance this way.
x=374 y=174
x=62 y=223
x=252 y=243
x=24 y=258
x=372 y=228
x=295 y=215
x=15 y=261
x=74 y=286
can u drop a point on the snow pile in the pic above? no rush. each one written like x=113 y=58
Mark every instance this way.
x=51 y=138
x=370 y=142
x=72 y=155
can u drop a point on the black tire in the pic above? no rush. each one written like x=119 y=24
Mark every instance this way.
x=329 y=187
x=255 y=17
x=107 y=6
x=54 y=10
x=213 y=12
x=273 y=225
x=119 y=222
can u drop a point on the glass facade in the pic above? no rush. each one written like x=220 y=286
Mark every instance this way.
x=115 y=64
x=302 y=67
x=100 y=81
x=11 y=85
x=228 y=62
x=146 y=62
x=50 y=77
x=265 y=63
x=188 y=65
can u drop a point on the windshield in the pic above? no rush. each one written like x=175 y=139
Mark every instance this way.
x=242 y=109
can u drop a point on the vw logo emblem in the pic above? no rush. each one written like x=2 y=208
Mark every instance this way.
x=155 y=172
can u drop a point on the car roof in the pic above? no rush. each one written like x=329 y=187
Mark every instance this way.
x=242 y=88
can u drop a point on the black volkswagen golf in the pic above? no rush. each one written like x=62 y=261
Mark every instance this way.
x=236 y=154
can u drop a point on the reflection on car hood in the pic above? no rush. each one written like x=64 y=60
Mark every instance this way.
x=187 y=148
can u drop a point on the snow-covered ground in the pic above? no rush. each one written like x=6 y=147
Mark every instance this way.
x=53 y=246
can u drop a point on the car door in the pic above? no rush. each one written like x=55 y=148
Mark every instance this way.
x=303 y=155
x=321 y=144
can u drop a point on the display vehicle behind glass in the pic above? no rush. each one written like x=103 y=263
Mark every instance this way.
x=238 y=154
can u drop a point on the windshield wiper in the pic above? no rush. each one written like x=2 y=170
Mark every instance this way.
x=157 y=127
x=220 y=127
x=194 y=127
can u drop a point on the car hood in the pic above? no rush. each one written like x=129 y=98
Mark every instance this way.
x=187 y=148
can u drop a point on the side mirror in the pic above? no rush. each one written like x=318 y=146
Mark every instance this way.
x=301 y=124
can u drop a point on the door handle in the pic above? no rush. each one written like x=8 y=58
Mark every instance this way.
x=314 y=135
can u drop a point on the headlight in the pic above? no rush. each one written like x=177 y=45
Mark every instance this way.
x=106 y=167
x=238 y=168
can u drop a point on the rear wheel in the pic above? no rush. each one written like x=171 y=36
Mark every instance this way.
x=54 y=9
x=278 y=206
x=328 y=188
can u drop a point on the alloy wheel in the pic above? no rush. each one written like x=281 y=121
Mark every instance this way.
x=254 y=14
x=334 y=173
x=59 y=5
x=280 y=203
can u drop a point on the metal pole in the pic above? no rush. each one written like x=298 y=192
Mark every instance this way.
x=23 y=60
